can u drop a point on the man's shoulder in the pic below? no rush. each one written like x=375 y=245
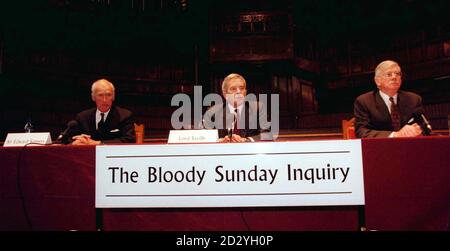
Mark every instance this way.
x=215 y=108
x=409 y=94
x=122 y=110
x=121 y=113
x=255 y=104
x=86 y=112
x=366 y=95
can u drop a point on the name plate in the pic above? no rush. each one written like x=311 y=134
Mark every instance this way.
x=21 y=139
x=193 y=136
x=313 y=173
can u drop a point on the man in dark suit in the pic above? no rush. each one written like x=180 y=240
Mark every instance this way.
x=106 y=123
x=239 y=119
x=387 y=111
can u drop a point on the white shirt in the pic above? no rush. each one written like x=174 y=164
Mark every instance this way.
x=98 y=117
x=386 y=100
x=232 y=109
x=239 y=108
x=239 y=111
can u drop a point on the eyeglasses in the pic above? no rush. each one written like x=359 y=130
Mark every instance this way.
x=104 y=95
x=234 y=89
x=392 y=74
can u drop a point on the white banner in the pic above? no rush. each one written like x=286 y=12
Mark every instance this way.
x=312 y=173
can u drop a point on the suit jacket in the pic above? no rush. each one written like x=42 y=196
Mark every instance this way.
x=372 y=117
x=118 y=125
x=252 y=121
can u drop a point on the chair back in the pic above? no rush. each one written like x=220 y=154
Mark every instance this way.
x=140 y=133
x=348 y=128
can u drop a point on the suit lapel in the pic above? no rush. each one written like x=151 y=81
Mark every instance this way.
x=226 y=115
x=246 y=118
x=402 y=107
x=110 y=119
x=381 y=106
x=92 y=126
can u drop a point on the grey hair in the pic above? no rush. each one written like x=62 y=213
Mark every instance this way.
x=383 y=65
x=101 y=82
x=231 y=77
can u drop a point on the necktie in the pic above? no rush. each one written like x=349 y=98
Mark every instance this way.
x=101 y=123
x=395 y=115
x=235 y=122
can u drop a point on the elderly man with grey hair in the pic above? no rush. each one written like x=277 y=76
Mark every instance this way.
x=105 y=123
x=239 y=118
x=387 y=111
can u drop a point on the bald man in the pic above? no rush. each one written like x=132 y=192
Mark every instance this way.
x=105 y=123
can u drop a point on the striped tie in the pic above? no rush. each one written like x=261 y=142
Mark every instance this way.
x=235 y=122
x=395 y=115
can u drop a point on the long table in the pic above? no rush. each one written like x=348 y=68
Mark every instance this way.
x=53 y=188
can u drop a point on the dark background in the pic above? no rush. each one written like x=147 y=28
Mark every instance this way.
x=318 y=55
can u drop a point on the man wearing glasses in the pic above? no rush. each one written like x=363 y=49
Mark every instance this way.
x=239 y=119
x=388 y=111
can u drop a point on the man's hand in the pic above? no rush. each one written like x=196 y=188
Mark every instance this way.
x=234 y=138
x=408 y=131
x=84 y=139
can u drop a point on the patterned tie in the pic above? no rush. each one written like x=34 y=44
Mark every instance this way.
x=235 y=122
x=101 y=123
x=395 y=115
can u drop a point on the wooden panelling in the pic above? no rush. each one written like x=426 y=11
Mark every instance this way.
x=432 y=51
x=446 y=48
x=156 y=63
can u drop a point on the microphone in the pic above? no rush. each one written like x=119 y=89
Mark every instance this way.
x=419 y=117
x=427 y=125
x=63 y=137
x=234 y=124
x=230 y=132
